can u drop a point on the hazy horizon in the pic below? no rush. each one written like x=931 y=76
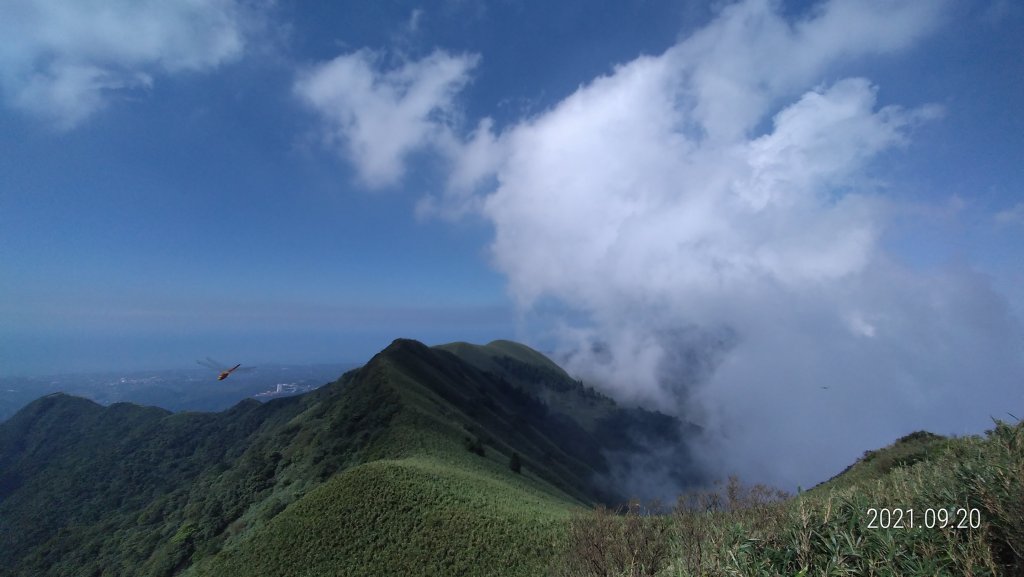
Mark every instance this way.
x=53 y=355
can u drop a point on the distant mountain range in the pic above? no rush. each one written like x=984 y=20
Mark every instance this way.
x=453 y=460
x=176 y=390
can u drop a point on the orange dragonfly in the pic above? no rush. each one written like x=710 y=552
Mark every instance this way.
x=224 y=371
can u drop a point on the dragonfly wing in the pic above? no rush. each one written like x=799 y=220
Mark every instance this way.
x=212 y=364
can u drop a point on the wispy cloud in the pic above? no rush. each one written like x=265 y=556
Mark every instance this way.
x=63 y=61
x=1011 y=216
x=412 y=25
x=374 y=117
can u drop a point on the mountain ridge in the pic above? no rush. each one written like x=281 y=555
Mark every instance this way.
x=458 y=459
x=189 y=491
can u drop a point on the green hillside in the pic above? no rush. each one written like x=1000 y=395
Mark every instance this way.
x=436 y=495
x=403 y=466
x=465 y=460
x=925 y=506
x=532 y=371
x=591 y=425
x=875 y=464
x=494 y=356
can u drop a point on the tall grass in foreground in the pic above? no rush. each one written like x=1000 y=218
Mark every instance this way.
x=734 y=530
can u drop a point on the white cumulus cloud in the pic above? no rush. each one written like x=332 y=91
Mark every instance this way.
x=728 y=276
x=375 y=118
x=62 y=61
x=706 y=223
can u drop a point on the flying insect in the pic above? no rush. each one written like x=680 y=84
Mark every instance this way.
x=224 y=371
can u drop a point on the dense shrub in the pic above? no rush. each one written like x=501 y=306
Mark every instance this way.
x=633 y=541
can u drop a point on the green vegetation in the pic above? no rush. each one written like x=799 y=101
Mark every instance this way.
x=404 y=517
x=404 y=466
x=966 y=496
x=467 y=460
x=523 y=368
x=906 y=451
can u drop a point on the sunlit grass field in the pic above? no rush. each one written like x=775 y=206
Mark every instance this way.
x=414 y=516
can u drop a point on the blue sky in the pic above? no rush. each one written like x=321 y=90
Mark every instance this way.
x=201 y=207
x=690 y=189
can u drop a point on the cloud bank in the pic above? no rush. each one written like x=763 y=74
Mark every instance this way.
x=64 y=61
x=705 y=222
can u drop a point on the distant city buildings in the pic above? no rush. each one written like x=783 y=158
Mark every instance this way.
x=283 y=389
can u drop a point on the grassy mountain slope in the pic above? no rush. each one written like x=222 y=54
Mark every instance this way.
x=627 y=446
x=423 y=502
x=493 y=358
x=925 y=506
x=526 y=368
x=411 y=516
x=967 y=499
x=401 y=467
x=875 y=464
